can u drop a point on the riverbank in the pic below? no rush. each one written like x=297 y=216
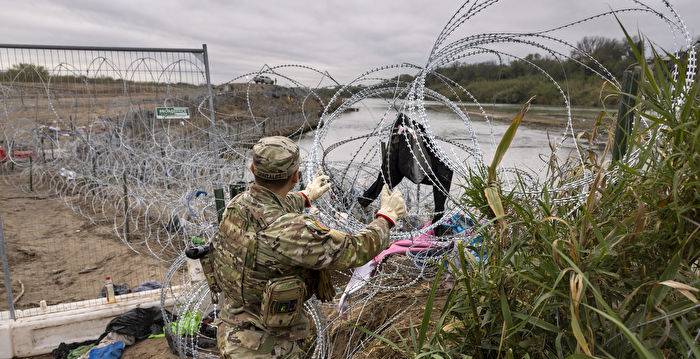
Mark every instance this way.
x=538 y=116
x=252 y=111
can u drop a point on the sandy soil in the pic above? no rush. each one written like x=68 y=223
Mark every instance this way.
x=149 y=348
x=145 y=349
x=62 y=257
x=59 y=256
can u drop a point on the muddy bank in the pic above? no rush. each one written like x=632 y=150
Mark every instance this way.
x=252 y=111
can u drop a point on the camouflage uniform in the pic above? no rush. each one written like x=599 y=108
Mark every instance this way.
x=263 y=236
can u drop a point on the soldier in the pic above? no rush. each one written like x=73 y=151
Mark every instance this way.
x=269 y=257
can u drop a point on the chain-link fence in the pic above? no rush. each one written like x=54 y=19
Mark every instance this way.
x=91 y=172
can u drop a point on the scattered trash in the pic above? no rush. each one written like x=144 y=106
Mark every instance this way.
x=423 y=250
x=64 y=349
x=111 y=351
x=68 y=174
x=149 y=285
x=187 y=324
x=80 y=351
x=190 y=332
x=119 y=289
x=138 y=322
x=188 y=198
x=109 y=290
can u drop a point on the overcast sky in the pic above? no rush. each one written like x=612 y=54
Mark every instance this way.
x=344 y=38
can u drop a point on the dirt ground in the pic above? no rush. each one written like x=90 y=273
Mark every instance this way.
x=404 y=308
x=156 y=348
x=61 y=257
x=149 y=348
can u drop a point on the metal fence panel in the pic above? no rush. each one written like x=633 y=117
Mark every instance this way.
x=92 y=182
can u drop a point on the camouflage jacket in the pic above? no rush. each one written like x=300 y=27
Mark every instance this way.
x=263 y=236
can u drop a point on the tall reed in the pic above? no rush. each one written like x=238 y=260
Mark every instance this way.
x=612 y=276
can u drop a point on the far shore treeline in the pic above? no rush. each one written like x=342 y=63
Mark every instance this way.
x=512 y=82
x=516 y=81
x=24 y=72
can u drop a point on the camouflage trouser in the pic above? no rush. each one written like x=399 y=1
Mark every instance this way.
x=251 y=343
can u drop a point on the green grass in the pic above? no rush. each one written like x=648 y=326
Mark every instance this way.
x=583 y=91
x=613 y=277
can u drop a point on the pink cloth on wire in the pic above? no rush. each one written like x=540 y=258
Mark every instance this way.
x=418 y=243
x=361 y=275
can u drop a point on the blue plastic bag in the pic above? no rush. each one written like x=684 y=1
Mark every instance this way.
x=112 y=351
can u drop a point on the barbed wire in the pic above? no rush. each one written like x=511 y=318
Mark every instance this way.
x=155 y=180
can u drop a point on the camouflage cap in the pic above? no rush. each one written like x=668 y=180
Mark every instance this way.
x=275 y=157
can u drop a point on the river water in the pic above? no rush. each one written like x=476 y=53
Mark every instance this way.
x=527 y=151
x=354 y=165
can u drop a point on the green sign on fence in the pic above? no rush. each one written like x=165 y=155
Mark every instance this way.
x=172 y=113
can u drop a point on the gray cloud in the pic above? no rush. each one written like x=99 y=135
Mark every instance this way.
x=344 y=37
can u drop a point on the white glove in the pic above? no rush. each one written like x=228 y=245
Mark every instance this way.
x=317 y=187
x=393 y=206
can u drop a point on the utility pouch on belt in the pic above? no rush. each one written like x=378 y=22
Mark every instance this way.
x=282 y=301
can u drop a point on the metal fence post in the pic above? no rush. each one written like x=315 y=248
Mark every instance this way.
x=212 y=119
x=6 y=270
x=236 y=188
x=220 y=203
x=208 y=76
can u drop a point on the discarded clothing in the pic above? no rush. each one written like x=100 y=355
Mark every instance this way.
x=80 y=351
x=64 y=349
x=149 y=285
x=462 y=225
x=187 y=324
x=206 y=328
x=212 y=315
x=138 y=323
x=467 y=227
x=411 y=154
x=106 y=341
x=426 y=248
x=403 y=246
x=193 y=331
x=117 y=337
x=111 y=351
x=361 y=275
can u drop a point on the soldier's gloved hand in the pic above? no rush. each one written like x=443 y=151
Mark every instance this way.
x=317 y=187
x=393 y=206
